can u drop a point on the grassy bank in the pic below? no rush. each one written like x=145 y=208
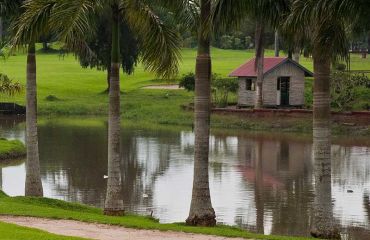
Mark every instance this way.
x=64 y=88
x=11 y=149
x=11 y=231
x=55 y=209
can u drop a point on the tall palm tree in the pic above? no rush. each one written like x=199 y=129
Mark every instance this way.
x=202 y=16
x=33 y=185
x=71 y=21
x=201 y=210
x=325 y=24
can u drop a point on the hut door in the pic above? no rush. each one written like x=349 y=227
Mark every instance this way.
x=284 y=90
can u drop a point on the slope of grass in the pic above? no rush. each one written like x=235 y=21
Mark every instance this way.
x=79 y=91
x=11 y=149
x=56 y=209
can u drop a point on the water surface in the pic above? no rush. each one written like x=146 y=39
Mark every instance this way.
x=270 y=193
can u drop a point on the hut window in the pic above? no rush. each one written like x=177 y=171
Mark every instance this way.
x=249 y=85
x=278 y=84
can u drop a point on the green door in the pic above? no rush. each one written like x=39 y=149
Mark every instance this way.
x=284 y=90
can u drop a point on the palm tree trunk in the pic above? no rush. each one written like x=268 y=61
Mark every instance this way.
x=323 y=222
x=33 y=178
x=1 y=179
x=201 y=210
x=277 y=44
x=296 y=55
x=114 y=199
x=258 y=191
x=260 y=54
x=108 y=78
x=1 y=29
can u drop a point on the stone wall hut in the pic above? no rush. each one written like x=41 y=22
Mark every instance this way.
x=283 y=83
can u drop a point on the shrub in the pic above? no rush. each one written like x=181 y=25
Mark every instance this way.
x=341 y=67
x=221 y=88
x=343 y=89
x=9 y=87
x=188 y=82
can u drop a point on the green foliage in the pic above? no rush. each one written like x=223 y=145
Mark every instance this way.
x=221 y=88
x=340 y=67
x=101 y=45
x=9 y=87
x=235 y=42
x=226 y=42
x=187 y=81
x=343 y=89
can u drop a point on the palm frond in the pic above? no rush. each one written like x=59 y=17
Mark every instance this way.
x=228 y=14
x=69 y=20
x=159 y=43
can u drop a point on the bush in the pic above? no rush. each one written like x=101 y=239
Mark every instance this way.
x=221 y=87
x=188 y=82
x=344 y=87
x=226 y=42
x=341 y=67
x=8 y=86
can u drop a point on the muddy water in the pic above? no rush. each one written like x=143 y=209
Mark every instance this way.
x=270 y=193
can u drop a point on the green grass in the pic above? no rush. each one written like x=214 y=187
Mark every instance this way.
x=11 y=149
x=64 y=88
x=11 y=231
x=56 y=209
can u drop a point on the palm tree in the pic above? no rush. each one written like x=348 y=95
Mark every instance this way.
x=266 y=13
x=71 y=21
x=201 y=210
x=33 y=185
x=325 y=24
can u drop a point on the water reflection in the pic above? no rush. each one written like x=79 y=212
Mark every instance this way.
x=324 y=225
x=264 y=183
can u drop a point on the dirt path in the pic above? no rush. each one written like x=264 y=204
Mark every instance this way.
x=100 y=231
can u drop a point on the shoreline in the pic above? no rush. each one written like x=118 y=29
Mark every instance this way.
x=46 y=208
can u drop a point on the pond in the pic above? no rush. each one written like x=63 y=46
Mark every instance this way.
x=270 y=194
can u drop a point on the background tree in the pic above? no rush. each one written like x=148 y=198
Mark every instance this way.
x=325 y=23
x=73 y=20
x=201 y=210
x=100 y=44
x=12 y=9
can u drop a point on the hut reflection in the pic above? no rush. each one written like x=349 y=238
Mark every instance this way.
x=280 y=172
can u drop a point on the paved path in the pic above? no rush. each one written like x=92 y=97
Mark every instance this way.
x=100 y=231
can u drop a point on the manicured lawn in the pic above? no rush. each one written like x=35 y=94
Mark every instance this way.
x=55 y=209
x=78 y=91
x=10 y=231
x=11 y=149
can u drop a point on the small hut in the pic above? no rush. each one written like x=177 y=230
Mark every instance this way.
x=283 y=83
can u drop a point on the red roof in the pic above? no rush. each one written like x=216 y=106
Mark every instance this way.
x=248 y=69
